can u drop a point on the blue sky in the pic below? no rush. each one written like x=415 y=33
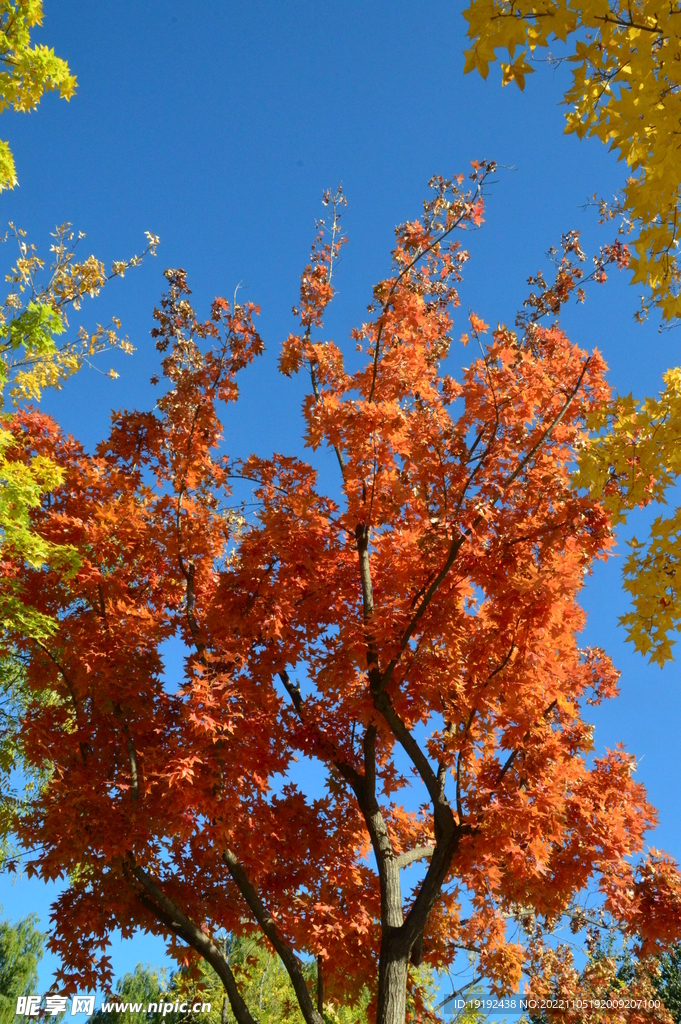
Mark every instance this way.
x=217 y=126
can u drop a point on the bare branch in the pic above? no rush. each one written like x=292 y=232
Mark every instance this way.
x=411 y=856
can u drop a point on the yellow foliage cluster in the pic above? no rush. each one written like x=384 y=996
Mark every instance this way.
x=33 y=317
x=626 y=90
x=26 y=71
x=633 y=461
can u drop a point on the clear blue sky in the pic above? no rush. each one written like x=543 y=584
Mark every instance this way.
x=217 y=126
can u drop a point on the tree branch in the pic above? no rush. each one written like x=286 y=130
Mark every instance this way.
x=72 y=692
x=320 y=987
x=458 y=541
x=269 y=928
x=169 y=914
x=514 y=753
x=410 y=266
x=134 y=780
x=410 y=856
x=323 y=744
x=441 y=809
x=382 y=702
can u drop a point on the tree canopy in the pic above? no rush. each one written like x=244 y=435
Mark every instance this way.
x=21 y=949
x=419 y=626
x=38 y=352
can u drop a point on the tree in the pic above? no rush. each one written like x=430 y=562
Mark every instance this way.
x=414 y=630
x=668 y=981
x=27 y=71
x=144 y=987
x=609 y=989
x=625 y=91
x=21 y=949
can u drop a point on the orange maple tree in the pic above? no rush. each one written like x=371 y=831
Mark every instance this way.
x=424 y=615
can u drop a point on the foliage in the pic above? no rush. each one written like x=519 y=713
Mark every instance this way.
x=144 y=986
x=626 y=90
x=33 y=320
x=633 y=461
x=610 y=989
x=17 y=787
x=425 y=611
x=21 y=948
x=36 y=352
x=668 y=981
x=34 y=315
x=22 y=486
x=261 y=978
x=27 y=71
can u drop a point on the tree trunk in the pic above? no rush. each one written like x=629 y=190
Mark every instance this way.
x=392 y=987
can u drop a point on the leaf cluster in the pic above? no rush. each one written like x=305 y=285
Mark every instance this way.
x=27 y=70
x=633 y=460
x=21 y=949
x=625 y=58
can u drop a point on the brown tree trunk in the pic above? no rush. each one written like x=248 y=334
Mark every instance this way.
x=392 y=987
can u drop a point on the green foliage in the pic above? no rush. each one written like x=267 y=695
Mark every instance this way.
x=668 y=982
x=22 y=486
x=18 y=782
x=27 y=71
x=262 y=980
x=144 y=986
x=21 y=948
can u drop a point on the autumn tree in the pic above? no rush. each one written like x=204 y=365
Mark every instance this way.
x=414 y=633
x=39 y=349
x=626 y=91
x=27 y=70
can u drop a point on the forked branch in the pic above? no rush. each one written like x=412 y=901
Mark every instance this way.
x=175 y=920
